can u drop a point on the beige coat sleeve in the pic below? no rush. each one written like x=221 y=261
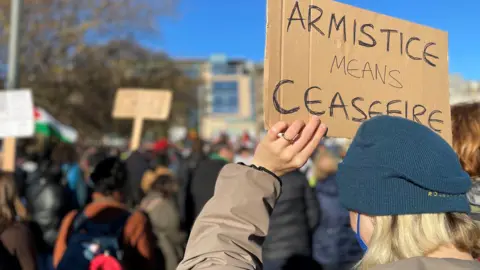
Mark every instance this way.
x=229 y=232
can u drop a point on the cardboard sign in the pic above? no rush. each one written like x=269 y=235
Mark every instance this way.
x=141 y=104
x=16 y=121
x=347 y=65
x=16 y=114
x=152 y=104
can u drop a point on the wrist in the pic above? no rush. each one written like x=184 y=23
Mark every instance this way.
x=265 y=170
x=257 y=164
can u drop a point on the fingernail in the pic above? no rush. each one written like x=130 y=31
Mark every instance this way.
x=316 y=118
x=323 y=126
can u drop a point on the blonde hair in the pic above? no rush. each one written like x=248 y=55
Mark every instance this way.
x=466 y=136
x=401 y=237
x=8 y=202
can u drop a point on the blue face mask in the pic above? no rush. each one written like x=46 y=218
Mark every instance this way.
x=357 y=235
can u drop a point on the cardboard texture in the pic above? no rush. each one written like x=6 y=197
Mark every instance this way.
x=347 y=64
x=151 y=104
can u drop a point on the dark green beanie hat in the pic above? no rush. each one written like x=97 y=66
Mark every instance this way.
x=395 y=166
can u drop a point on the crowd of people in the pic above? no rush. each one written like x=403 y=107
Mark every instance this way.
x=294 y=200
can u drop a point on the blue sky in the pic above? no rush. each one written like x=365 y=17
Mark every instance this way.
x=237 y=28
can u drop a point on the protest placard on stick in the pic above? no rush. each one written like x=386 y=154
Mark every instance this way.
x=140 y=105
x=16 y=121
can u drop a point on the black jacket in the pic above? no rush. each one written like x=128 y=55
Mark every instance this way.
x=184 y=198
x=20 y=177
x=203 y=183
x=293 y=219
x=137 y=164
x=47 y=205
x=334 y=242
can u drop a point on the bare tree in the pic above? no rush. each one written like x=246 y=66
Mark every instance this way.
x=84 y=97
x=76 y=53
x=54 y=32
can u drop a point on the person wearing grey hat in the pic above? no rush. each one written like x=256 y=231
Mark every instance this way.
x=406 y=192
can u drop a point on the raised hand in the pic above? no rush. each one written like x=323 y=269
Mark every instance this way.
x=287 y=148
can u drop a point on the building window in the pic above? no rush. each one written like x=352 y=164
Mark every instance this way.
x=192 y=71
x=224 y=69
x=225 y=97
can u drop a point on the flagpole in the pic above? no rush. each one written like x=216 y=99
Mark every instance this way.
x=13 y=47
x=9 y=144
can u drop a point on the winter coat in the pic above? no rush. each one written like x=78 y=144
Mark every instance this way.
x=202 y=185
x=47 y=204
x=293 y=220
x=137 y=164
x=334 y=242
x=165 y=220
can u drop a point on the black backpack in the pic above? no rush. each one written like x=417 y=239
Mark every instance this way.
x=89 y=241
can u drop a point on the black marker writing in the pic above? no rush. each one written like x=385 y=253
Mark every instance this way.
x=364 y=34
x=275 y=99
x=360 y=110
x=296 y=9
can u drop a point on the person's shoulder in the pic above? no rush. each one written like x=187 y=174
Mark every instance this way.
x=296 y=177
x=295 y=174
x=210 y=165
x=71 y=214
x=70 y=217
x=209 y=161
x=17 y=230
x=423 y=263
x=137 y=224
x=219 y=163
x=18 y=226
x=137 y=218
x=76 y=168
x=53 y=189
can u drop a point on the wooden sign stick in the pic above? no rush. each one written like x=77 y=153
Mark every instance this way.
x=136 y=133
x=8 y=159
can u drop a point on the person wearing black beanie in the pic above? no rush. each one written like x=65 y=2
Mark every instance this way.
x=406 y=192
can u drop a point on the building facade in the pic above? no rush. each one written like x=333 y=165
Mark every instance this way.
x=227 y=97
x=462 y=90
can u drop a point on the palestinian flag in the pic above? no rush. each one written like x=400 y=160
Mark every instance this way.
x=46 y=125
